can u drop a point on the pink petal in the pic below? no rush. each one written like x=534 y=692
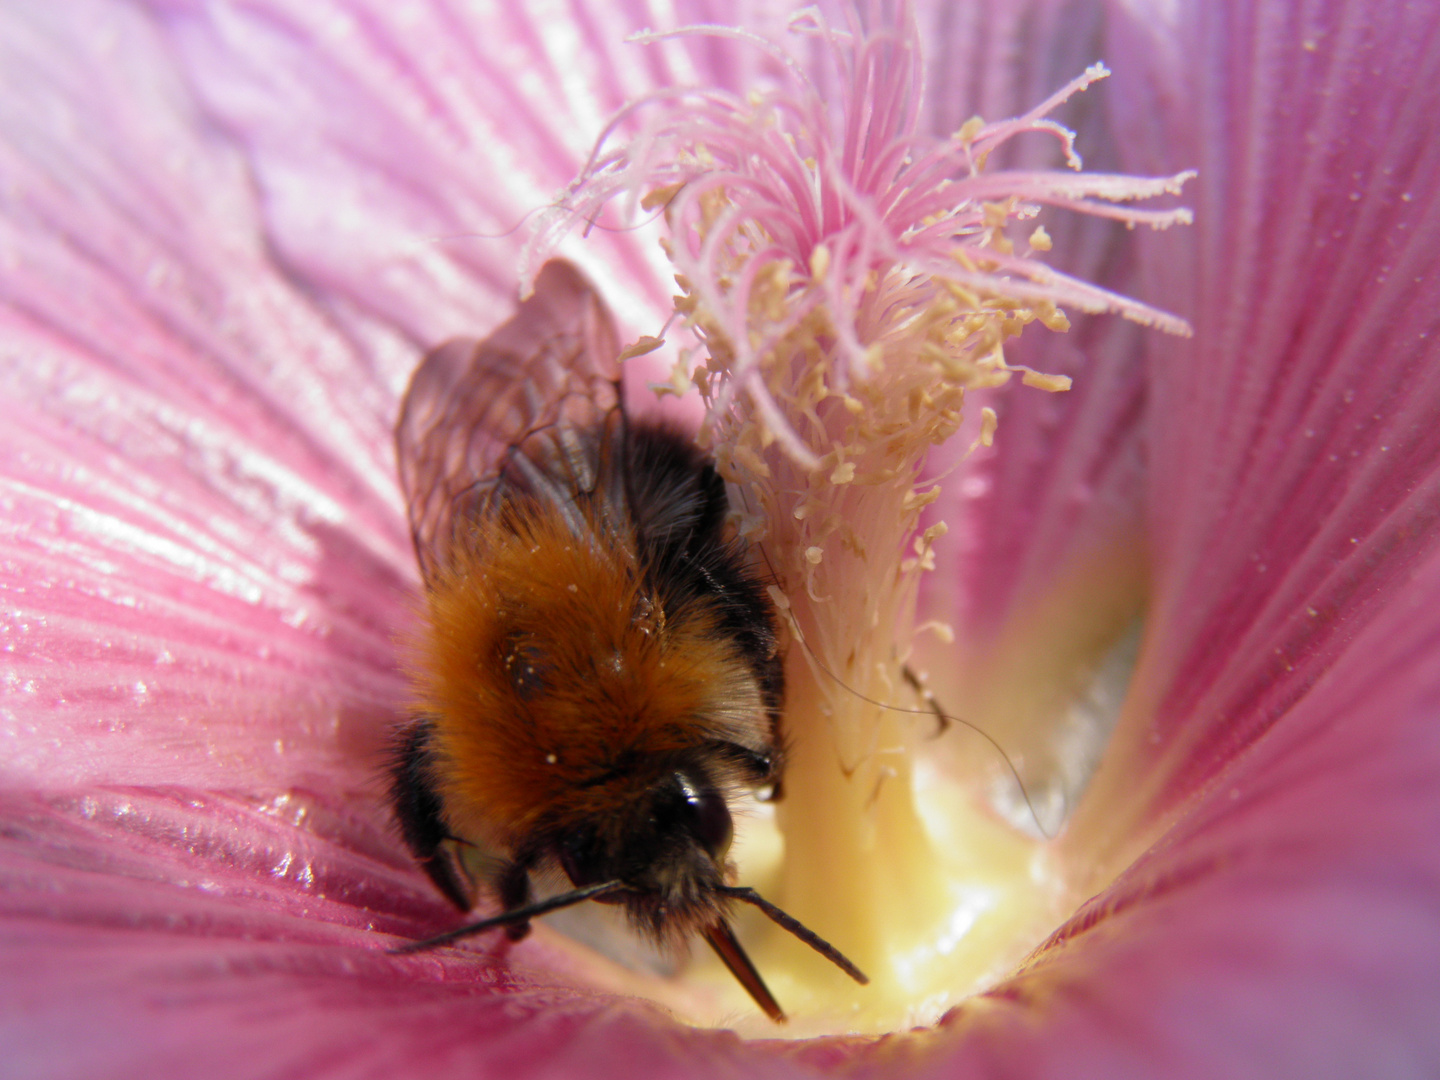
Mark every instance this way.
x=1283 y=925
x=400 y=155
x=202 y=547
x=1298 y=498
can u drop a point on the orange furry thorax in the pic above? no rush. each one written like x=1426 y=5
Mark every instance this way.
x=562 y=681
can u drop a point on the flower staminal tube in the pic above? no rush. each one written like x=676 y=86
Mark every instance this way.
x=846 y=280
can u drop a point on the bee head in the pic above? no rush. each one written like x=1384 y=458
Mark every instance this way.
x=668 y=847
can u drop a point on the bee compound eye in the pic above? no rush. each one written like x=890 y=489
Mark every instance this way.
x=707 y=816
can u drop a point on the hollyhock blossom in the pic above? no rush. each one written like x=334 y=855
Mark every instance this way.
x=231 y=229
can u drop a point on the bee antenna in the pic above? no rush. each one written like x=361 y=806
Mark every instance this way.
x=595 y=223
x=447 y=237
x=795 y=926
x=516 y=915
x=590 y=223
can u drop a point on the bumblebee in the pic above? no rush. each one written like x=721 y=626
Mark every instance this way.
x=599 y=676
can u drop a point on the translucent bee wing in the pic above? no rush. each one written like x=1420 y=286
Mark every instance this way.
x=535 y=385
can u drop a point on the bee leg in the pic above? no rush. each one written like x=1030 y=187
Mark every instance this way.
x=764 y=770
x=908 y=674
x=417 y=809
x=513 y=886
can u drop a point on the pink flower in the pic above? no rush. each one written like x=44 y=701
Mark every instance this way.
x=229 y=231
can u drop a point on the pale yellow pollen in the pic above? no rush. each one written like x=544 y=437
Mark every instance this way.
x=751 y=527
x=751 y=461
x=994 y=359
x=968 y=130
x=811 y=387
x=1051 y=317
x=962 y=256
x=1041 y=381
x=930 y=535
x=996 y=214
x=942 y=630
x=843 y=473
x=915 y=500
x=961 y=293
x=819 y=263
x=1040 y=239
x=642 y=346
x=661 y=196
x=678 y=384
x=988 y=423
x=813 y=555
